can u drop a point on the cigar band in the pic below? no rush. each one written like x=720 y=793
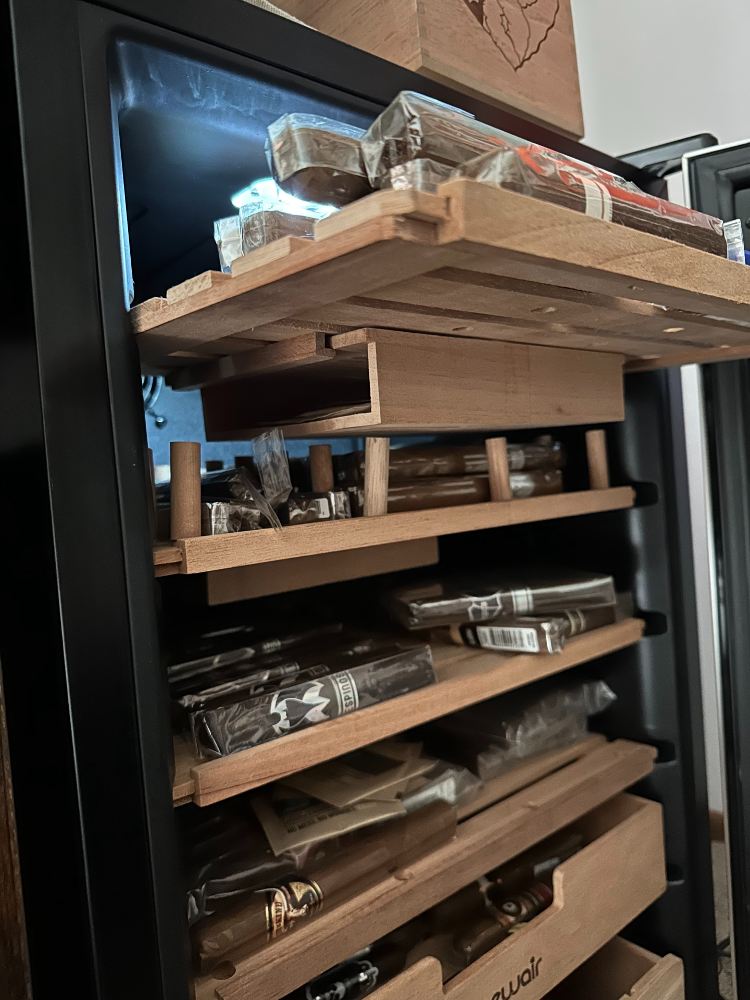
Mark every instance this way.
x=290 y=901
x=576 y=620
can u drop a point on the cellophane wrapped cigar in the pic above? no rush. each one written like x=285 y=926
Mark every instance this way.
x=223 y=518
x=236 y=491
x=444 y=782
x=488 y=595
x=529 y=633
x=494 y=736
x=415 y=127
x=209 y=656
x=416 y=175
x=450 y=491
x=305 y=508
x=317 y=159
x=286 y=903
x=227 y=859
x=348 y=680
x=433 y=460
x=228 y=237
x=542 y=173
x=271 y=215
x=239 y=679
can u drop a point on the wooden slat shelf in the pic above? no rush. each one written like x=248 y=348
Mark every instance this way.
x=209 y=553
x=468 y=261
x=590 y=891
x=465 y=676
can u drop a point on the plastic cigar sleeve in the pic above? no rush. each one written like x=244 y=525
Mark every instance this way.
x=451 y=491
x=417 y=461
x=271 y=214
x=228 y=237
x=494 y=736
x=415 y=127
x=317 y=159
x=370 y=677
x=538 y=172
x=305 y=508
x=531 y=634
x=222 y=651
x=272 y=913
x=486 y=596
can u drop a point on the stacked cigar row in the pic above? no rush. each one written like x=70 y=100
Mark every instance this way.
x=246 y=687
x=320 y=164
x=268 y=490
x=267 y=861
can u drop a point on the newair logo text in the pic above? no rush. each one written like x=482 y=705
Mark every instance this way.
x=516 y=985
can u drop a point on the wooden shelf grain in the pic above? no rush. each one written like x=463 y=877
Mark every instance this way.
x=465 y=676
x=209 y=553
x=629 y=829
x=471 y=261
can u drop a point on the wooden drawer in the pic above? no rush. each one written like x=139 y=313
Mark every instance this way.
x=407 y=382
x=597 y=893
x=622 y=971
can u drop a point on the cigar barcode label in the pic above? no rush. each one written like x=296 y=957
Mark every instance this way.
x=515 y=639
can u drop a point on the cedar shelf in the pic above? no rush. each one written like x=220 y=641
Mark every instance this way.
x=465 y=676
x=209 y=553
x=470 y=260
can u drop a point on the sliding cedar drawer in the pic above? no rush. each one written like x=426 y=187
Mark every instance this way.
x=387 y=381
x=622 y=971
x=624 y=840
x=598 y=892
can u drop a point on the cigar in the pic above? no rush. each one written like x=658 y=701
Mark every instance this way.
x=431 y=461
x=278 y=908
x=368 y=678
x=508 y=912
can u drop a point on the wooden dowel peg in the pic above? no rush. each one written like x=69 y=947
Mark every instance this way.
x=497 y=467
x=185 y=489
x=377 y=456
x=321 y=468
x=596 y=453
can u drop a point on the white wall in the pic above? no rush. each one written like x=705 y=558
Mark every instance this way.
x=651 y=71
x=654 y=70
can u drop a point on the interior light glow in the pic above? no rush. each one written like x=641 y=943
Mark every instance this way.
x=267 y=190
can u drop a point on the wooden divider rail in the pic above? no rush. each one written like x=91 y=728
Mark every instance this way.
x=591 y=891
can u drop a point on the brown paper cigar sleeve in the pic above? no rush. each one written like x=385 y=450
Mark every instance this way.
x=275 y=911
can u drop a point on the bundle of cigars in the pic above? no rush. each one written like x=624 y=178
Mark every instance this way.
x=318 y=165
